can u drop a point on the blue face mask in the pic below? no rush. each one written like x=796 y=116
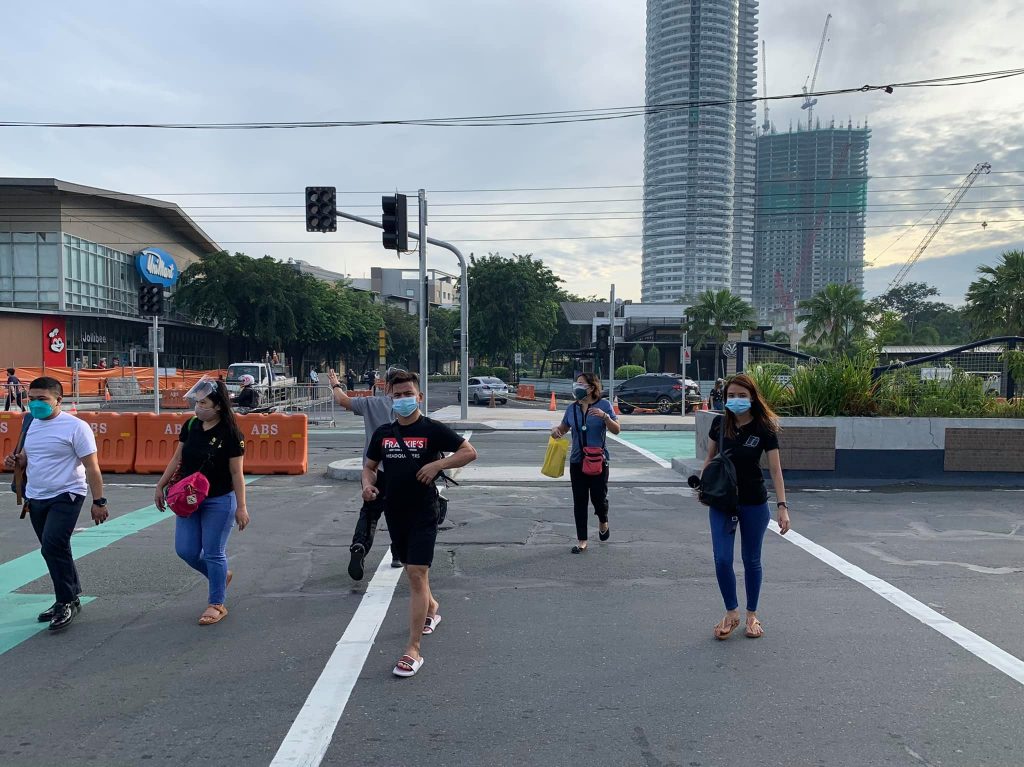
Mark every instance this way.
x=405 y=406
x=40 y=409
x=580 y=392
x=739 y=405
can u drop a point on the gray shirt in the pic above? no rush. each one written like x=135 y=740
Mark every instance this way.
x=376 y=411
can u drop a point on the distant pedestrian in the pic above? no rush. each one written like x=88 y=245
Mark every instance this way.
x=589 y=419
x=410 y=451
x=376 y=411
x=212 y=445
x=751 y=430
x=102 y=364
x=61 y=462
x=14 y=392
x=350 y=380
x=717 y=396
x=314 y=377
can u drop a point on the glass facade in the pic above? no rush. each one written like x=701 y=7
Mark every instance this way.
x=30 y=270
x=99 y=279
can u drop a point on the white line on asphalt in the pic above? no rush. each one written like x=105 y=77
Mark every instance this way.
x=310 y=734
x=645 y=453
x=995 y=656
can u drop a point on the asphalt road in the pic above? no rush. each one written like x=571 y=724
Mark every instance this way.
x=543 y=657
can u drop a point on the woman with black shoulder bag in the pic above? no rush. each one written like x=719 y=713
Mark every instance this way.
x=750 y=431
x=589 y=419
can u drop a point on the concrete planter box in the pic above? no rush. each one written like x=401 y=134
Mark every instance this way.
x=919 y=449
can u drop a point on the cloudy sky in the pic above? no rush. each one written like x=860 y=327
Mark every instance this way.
x=269 y=61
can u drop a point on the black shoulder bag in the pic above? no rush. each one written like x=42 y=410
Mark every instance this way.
x=442 y=502
x=718 y=487
x=21 y=474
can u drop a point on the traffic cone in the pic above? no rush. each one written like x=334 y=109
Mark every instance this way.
x=74 y=409
x=106 y=395
x=491 y=403
x=552 y=407
x=615 y=407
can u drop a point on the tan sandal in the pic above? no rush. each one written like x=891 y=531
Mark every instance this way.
x=218 y=613
x=228 y=581
x=754 y=629
x=725 y=627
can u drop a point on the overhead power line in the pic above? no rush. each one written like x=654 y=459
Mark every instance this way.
x=532 y=118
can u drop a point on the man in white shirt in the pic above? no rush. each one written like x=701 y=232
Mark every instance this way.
x=61 y=464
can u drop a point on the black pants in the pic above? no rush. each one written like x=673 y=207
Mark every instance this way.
x=587 y=488
x=54 y=521
x=10 y=398
x=369 y=516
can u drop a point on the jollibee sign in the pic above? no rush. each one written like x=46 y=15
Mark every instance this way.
x=55 y=342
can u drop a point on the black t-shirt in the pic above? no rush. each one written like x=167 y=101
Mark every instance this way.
x=745 y=450
x=209 y=453
x=425 y=440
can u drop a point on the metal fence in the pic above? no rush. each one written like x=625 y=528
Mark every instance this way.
x=985 y=360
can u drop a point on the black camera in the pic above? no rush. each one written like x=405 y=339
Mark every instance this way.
x=693 y=481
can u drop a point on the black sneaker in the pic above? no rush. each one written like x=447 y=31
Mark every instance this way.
x=396 y=562
x=355 y=565
x=47 y=615
x=63 y=615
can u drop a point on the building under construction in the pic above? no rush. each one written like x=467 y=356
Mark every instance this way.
x=811 y=202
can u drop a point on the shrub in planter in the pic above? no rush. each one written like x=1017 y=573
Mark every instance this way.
x=774 y=386
x=837 y=387
x=503 y=373
x=625 y=372
x=481 y=370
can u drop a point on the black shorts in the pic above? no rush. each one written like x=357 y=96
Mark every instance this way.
x=413 y=531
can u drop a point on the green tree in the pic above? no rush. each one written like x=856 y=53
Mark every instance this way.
x=908 y=301
x=835 y=317
x=714 y=314
x=995 y=301
x=443 y=337
x=513 y=306
x=637 y=356
x=403 y=331
x=778 y=337
x=654 y=360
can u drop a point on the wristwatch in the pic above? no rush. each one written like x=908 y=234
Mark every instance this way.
x=780 y=504
x=101 y=502
x=337 y=386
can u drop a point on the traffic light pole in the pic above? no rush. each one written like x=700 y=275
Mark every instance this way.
x=156 y=364
x=463 y=304
x=424 y=305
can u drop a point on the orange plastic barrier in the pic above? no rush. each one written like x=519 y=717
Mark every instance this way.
x=156 y=438
x=174 y=399
x=526 y=391
x=275 y=443
x=115 y=440
x=10 y=432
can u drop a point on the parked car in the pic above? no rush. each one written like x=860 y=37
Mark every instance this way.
x=661 y=391
x=481 y=388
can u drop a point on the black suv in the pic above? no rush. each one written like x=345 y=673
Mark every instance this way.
x=660 y=391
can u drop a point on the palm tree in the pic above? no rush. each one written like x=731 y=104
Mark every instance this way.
x=714 y=314
x=995 y=302
x=835 y=316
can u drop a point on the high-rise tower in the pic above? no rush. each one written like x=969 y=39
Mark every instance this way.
x=699 y=161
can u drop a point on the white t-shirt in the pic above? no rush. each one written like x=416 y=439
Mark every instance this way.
x=55 y=449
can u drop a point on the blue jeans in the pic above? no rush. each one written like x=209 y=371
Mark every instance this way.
x=753 y=522
x=202 y=538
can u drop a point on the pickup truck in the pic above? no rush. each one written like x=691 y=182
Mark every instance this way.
x=272 y=382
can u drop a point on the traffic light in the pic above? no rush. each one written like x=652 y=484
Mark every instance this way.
x=395 y=222
x=321 y=209
x=602 y=339
x=151 y=300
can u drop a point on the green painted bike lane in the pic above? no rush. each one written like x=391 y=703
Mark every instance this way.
x=18 y=611
x=664 y=444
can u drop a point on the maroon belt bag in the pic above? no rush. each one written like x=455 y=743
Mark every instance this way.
x=593 y=461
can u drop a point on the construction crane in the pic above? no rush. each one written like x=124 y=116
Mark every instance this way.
x=809 y=103
x=982 y=168
x=767 y=125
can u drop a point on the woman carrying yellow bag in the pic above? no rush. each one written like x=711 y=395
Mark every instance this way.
x=554 y=459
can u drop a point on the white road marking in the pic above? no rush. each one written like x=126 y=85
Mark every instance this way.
x=645 y=453
x=310 y=735
x=978 y=646
x=995 y=656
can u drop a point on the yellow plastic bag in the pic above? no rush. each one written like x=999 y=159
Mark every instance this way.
x=554 y=459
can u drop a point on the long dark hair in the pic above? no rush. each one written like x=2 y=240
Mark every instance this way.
x=763 y=415
x=222 y=398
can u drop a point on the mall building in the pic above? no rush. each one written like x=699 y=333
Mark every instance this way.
x=71 y=261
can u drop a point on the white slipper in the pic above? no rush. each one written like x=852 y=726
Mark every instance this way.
x=431 y=624
x=408 y=659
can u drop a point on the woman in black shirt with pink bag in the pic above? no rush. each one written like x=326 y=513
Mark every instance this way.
x=212 y=445
x=750 y=431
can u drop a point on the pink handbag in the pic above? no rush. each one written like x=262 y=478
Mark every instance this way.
x=185 y=496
